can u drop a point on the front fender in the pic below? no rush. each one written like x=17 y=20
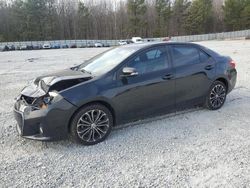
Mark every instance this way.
x=90 y=92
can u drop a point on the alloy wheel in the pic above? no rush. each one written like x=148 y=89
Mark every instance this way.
x=93 y=125
x=217 y=96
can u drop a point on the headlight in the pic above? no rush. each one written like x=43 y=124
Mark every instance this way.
x=47 y=99
x=27 y=110
x=51 y=96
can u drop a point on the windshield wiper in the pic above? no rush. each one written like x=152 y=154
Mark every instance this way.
x=75 y=68
x=83 y=70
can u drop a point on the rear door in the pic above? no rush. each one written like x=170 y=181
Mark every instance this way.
x=194 y=70
x=152 y=90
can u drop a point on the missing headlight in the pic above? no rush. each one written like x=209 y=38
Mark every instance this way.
x=47 y=99
x=38 y=103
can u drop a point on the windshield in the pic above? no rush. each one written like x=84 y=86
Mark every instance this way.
x=106 y=61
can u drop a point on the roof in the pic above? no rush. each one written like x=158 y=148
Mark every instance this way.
x=140 y=46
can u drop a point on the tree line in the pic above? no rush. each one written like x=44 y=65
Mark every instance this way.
x=24 y=20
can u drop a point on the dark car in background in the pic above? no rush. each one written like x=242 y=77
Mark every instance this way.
x=5 y=48
x=37 y=47
x=106 y=45
x=12 y=48
x=73 y=46
x=56 y=46
x=65 y=46
x=90 y=45
x=127 y=83
x=30 y=47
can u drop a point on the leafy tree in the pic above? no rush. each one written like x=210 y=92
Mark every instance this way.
x=163 y=10
x=18 y=17
x=136 y=11
x=51 y=17
x=2 y=20
x=245 y=16
x=83 y=19
x=232 y=14
x=199 y=19
x=35 y=19
x=179 y=13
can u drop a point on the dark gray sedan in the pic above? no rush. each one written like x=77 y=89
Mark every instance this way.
x=121 y=85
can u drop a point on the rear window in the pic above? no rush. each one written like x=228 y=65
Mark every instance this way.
x=204 y=57
x=185 y=55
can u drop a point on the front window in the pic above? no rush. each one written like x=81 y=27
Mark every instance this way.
x=151 y=60
x=106 y=61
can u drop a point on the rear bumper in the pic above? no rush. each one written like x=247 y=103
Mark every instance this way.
x=232 y=79
x=45 y=124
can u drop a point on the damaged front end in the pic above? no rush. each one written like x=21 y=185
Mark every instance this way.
x=41 y=112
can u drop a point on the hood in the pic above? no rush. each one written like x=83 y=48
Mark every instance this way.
x=57 y=81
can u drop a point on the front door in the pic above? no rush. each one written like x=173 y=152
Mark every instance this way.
x=152 y=90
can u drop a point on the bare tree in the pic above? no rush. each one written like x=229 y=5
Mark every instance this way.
x=115 y=19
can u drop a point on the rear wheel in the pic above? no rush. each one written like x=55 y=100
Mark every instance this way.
x=92 y=124
x=216 y=96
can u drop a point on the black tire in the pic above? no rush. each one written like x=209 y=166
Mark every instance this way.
x=89 y=131
x=216 y=96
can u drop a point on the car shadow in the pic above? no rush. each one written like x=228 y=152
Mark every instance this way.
x=156 y=118
x=69 y=143
x=124 y=131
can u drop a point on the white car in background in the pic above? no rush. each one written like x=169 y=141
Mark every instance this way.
x=98 y=44
x=1 y=48
x=122 y=42
x=47 y=46
x=23 y=47
x=137 y=40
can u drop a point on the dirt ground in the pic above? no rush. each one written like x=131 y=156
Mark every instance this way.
x=194 y=148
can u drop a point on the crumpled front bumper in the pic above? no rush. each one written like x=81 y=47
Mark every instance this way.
x=44 y=124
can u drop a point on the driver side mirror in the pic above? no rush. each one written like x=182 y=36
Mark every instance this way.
x=129 y=72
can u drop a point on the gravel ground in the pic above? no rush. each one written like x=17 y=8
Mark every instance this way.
x=194 y=148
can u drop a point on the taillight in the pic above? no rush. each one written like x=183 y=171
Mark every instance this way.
x=232 y=64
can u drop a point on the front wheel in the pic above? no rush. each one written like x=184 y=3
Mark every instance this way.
x=91 y=124
x=216 y=96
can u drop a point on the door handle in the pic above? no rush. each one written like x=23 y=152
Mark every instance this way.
x=168 y=77
x=209 y=67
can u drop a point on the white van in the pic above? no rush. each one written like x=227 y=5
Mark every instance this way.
x=137 y=40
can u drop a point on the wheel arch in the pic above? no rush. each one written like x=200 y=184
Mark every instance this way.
x=224 y=81
x=104 y=103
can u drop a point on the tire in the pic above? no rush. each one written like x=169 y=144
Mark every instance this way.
x=91 y=124
x=216 y=96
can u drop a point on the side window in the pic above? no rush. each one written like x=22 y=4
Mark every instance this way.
x=151 y=60
x=153 y=54
x=185 y=55
x=203 y=57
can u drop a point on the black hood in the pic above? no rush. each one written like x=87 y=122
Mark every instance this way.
x=57 y=81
